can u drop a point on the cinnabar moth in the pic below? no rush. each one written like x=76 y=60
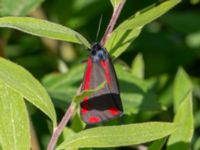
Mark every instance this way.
x=106 y=103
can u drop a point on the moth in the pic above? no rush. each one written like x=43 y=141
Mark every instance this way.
x=106 y=103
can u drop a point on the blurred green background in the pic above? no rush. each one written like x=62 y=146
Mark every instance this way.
x=167 y=43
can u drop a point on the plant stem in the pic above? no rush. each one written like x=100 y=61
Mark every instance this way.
x=61 y=125
x=115 y=15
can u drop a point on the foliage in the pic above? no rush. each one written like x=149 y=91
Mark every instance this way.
x=45 y=75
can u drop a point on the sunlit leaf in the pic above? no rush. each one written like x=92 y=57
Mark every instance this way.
x=182 y=85
x=43 y=28
x=119 y=135
x=137 y=68
x=18 y=7
x=17 y=78
x=128 y=30
x=67 y=133
x=181 y=138
x=14 y=126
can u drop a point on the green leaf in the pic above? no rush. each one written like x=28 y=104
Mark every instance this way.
x=137 y=68
x=123 y=135
x=135 y=93
x=181 y=138
x=76 y=123
x=157 y=145
x=17 y=78
x=119 y=41
x=197 y=144
x=182 y=85
x=184 y=112
x=67 y=134
x=14 y=126
x=78 y=98
x=43 y=28
x=18 y=7
x=63 y=87
x=127 y=31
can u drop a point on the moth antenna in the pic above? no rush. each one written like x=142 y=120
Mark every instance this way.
x=99 y=27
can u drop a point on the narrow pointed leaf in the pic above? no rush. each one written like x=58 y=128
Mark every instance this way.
x=157 y=145
x=119 y=135
x=14 y=124
x=137 y=68
x=181 y=138
x=182 y=85
x=24 y=83
x=76 y=123
x=128 y=30
x=77 y=99
x=43 y=28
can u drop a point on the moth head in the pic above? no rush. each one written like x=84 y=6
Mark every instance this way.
x=96 y=46
x=98 y=52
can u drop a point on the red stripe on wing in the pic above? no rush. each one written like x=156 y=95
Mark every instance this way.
x=106 y=69
x=86 y=85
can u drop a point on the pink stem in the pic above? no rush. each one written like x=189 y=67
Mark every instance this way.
x=115 y=15
x=61 y=125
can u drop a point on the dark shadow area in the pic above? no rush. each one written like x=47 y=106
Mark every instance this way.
x=150 y=103
x=179 y=146
x=129 y=87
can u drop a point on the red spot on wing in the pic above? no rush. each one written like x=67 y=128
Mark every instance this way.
x=86 y=85
x=94 y=119
x=84 y=109
x=114 y=111
x=106 y=69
